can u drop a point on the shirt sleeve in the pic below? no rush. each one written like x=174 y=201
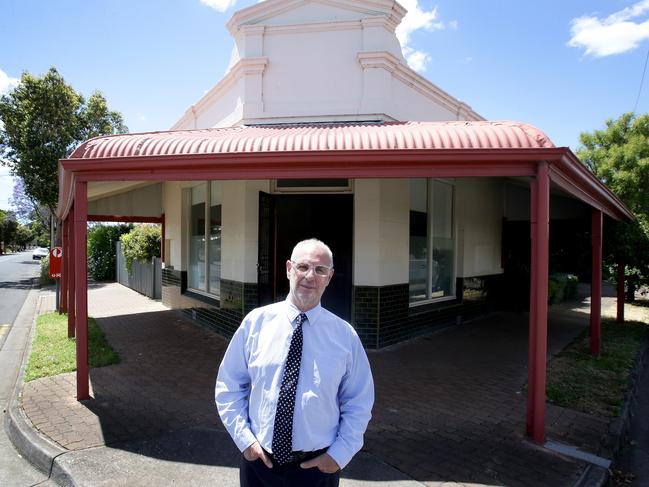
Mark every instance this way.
x=233 y=389
x=356 y=398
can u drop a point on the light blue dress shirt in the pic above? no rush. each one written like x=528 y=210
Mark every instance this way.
x=335 y=390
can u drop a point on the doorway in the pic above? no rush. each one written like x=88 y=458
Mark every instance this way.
x=285 y=220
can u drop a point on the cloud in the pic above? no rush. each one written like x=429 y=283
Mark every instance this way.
x=417 y=60
x=220 y=5
x=6 y=82
x=418 y=19
x=620 y=32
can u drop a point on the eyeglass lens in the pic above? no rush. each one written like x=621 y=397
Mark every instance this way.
x=303 y=267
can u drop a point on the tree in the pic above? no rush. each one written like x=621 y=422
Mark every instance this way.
x=8 y=229
x=26 y=208
x=619 y=157
x=23 y=236
x=43 y=119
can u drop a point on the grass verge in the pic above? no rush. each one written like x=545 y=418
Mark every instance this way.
x=596 y=385
x=54 y=353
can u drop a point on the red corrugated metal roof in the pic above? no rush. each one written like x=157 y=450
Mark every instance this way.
x=345 y=150
x=318 y=137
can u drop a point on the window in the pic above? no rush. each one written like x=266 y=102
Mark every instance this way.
x=205 y=238
x=311 y=185
x=432 y=242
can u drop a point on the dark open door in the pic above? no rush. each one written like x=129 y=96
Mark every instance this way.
x=327 y=217
x=264 y=257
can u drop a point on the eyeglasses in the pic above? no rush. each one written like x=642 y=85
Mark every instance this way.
x=305 y=267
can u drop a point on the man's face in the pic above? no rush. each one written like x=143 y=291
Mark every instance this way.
x=307 y=284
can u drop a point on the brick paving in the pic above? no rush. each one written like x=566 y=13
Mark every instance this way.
x=450 y=407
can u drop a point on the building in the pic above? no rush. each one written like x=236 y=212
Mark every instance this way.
x=320 y=129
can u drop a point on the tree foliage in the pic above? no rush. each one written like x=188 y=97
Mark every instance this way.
x=13 y=234
x=619 y=157
x=142 y=243
x=43 y=119
x=102 y=255
x=27 y=209
x=8 y=227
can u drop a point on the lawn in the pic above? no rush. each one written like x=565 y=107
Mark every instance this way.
x=54 y=353
x=596 y=385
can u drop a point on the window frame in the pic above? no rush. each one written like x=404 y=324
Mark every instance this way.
x=429 y=246
x=207 y=292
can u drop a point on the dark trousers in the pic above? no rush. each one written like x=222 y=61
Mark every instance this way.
x=256 y=474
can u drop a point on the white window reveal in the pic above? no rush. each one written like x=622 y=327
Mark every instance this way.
x=432 y=241
x=205 y=238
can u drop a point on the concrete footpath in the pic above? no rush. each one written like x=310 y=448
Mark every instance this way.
x=450 y=408
x=14 y=469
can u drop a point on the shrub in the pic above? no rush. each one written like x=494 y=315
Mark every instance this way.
x=561 y=286
x=101 y=250
x=45 y=271
x=142 y=243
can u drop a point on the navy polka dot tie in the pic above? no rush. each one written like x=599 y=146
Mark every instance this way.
x=283 y=432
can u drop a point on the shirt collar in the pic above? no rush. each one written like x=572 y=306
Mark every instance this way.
x=292 y=312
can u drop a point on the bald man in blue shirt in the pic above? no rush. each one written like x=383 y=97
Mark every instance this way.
x=294 y=389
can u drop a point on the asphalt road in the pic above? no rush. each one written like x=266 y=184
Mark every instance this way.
x=16 y=274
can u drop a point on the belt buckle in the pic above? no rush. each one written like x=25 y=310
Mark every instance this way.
x=297 y=456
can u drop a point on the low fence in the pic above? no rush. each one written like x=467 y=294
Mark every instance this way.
x=146 y=277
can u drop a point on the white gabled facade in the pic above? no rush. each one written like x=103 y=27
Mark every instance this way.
x=406 y=246
x=320 y=61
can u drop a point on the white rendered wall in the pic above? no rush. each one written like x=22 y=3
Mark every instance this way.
x=240 y=228
x=412 y=105
x=316 y=62
x=143 y=201
x=479 y=213
x=381 y=221
x=172 y=202
x=326 y=81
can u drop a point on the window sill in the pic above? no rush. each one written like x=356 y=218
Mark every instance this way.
x=203 y=297
x=432 y=305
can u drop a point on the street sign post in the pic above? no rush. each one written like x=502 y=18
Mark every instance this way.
x=56 y=255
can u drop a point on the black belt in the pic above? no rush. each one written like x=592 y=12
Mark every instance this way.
x=300 y=456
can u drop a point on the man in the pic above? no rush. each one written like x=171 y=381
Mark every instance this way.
x=294 y=389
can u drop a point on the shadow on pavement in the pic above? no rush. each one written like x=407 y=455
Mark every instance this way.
x=21 y=284
x=449 y=406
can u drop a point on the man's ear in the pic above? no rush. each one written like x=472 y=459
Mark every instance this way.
x=289 y=265
x=331 y=274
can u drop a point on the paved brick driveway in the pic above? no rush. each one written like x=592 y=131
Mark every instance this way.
x=449 y=406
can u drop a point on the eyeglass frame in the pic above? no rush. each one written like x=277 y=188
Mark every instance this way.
x=311 y=266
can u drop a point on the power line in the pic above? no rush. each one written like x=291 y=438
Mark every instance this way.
x=635 y=107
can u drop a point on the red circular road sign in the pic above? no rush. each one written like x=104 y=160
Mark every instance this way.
x=56 y=255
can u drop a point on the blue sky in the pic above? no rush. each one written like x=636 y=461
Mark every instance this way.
x=564 y=66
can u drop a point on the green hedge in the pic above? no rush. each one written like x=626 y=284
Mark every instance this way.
x=45 y=271
x=142 y=243
x=102 y=256
x=561 y=286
